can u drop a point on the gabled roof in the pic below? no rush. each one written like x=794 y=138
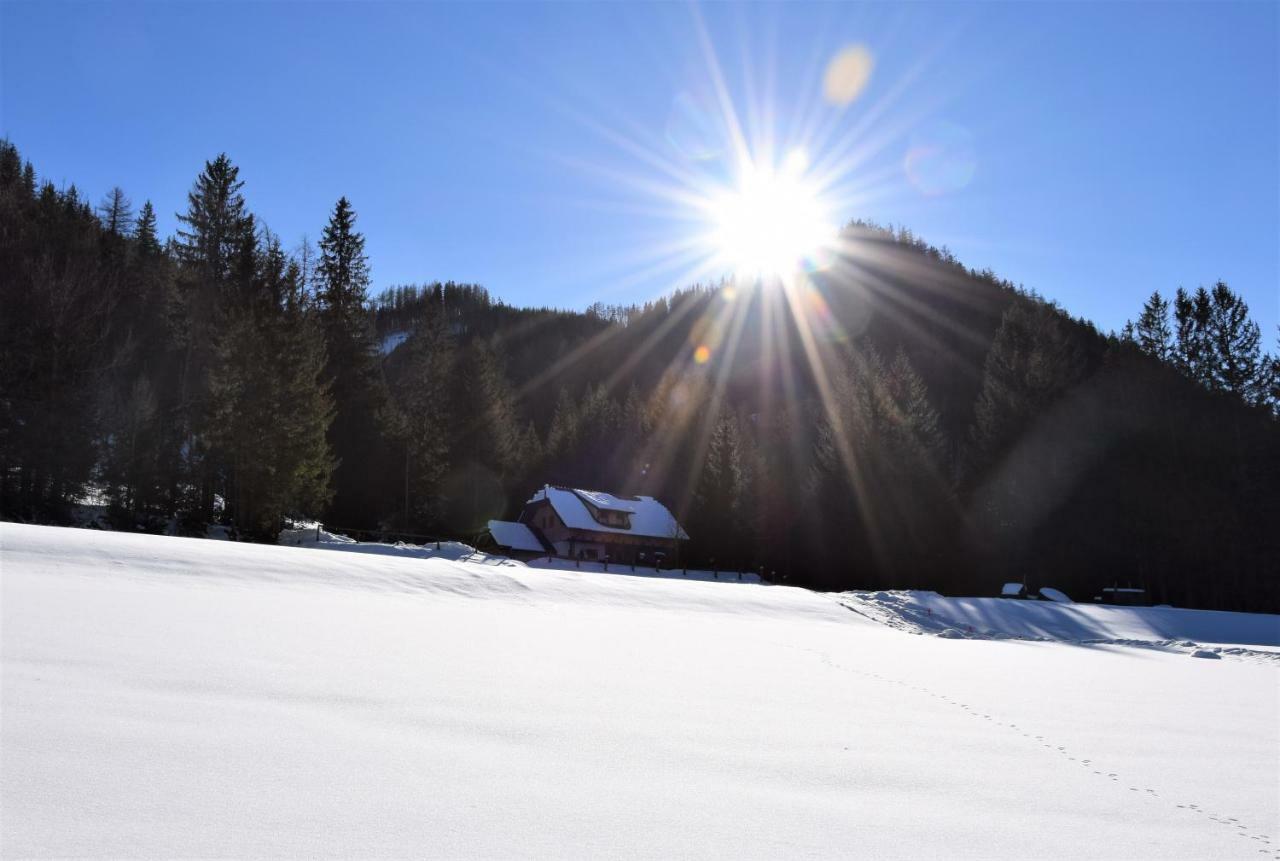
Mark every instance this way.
x=516 y=536
x=648 y=516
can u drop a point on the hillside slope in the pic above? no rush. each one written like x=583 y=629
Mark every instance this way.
x=167 y=697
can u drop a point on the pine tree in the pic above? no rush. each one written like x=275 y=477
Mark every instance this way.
x=1218 y=345
x=145 y=238
x=1192 y=351
x=1234 y=347
x=343 y=268
x=213 y=223
x=271 y=409
x=361 y=480
x=210 y=245
x=304 y=407
x=1154 y=335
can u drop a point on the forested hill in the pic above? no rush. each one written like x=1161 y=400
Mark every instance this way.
x=892 y=420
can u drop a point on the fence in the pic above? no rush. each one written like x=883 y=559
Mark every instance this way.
x=386 y=536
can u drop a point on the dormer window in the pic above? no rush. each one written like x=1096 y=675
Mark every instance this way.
x=617 y=519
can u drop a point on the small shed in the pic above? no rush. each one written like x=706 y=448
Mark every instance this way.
x=517 y=540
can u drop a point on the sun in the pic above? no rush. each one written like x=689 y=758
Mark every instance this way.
x=771 y=223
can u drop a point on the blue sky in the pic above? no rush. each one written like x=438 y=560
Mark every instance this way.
x=1097 y=152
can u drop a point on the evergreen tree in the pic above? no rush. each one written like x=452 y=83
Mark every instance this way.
x=717 y=520
x=425 y=415
x=1032 y=361
x=1192 y=352
x=270 y=407
x=1154 y=335
x=562 y=437
x=343 y=269
x=361 y=480
x=213 y=228
x=1235 y=355
x=1274 y=366
x=210 y=244
x=145 y=238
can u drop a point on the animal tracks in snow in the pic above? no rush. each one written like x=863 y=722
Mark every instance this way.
x=1071 y=758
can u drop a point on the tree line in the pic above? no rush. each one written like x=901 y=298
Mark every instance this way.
x=895 y=421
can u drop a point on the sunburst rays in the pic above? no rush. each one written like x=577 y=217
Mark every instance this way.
x=752 y=205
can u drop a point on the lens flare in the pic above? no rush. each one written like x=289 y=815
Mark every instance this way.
x=702 y=354
x=772 y=222
x=847 y=75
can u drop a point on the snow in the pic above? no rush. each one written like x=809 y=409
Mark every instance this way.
x=317 y=538
x=517 y=536
x=172 y=697
x=649 y=517
x=392 y=340
x=997 y=618
x=1051 y=594
x=607 y=501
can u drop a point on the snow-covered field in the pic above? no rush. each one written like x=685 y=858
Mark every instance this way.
x=179 y=697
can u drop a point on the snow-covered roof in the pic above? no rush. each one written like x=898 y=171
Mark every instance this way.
x=517 y=536
x=648 y=516
x=607 y=501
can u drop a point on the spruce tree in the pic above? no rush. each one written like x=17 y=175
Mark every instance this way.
x=271 y=410
x=356 y=434
x=148 y=243
x=343 y=269
x=213 y=223
x=1154 y=335
x=210 y=243
x=1193 y=351
x=1235 y=347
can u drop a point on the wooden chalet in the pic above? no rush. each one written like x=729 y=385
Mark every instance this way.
x=592 y=525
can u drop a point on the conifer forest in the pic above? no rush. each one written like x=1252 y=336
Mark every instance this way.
x=902 y=421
